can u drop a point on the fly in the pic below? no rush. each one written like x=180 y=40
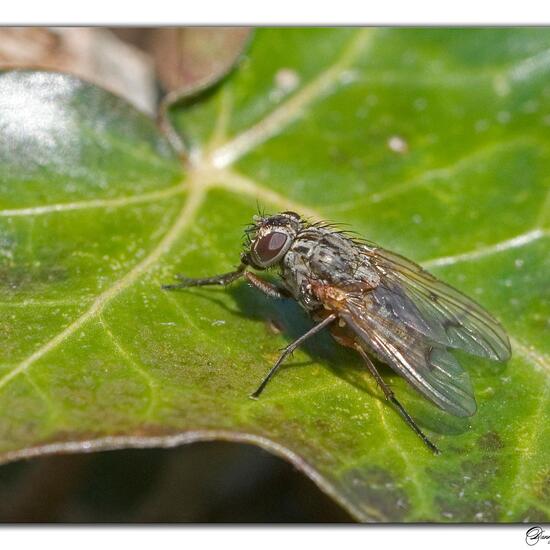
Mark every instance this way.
x=373 y=301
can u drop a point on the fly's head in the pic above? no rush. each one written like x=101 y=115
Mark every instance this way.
x=268 y=238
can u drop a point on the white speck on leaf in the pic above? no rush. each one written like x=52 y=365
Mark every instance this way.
x=400 y=503
x=286 y=80
x=398 y=145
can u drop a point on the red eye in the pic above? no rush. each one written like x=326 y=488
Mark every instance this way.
x=268 y=247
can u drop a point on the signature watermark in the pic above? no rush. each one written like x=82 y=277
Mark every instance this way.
x=535 y=535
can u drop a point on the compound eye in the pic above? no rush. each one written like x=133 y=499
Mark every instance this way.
x=268 y=248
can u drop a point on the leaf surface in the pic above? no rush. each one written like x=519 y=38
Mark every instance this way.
x=430 y=142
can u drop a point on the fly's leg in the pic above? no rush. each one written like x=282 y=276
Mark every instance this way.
x=289 y=349
x=391 y=397
x=265 y=286
x=224 y=279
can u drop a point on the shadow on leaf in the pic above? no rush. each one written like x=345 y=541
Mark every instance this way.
x=286 y=317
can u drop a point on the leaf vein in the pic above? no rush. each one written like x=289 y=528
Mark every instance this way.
x=94 y=203
x=151 y=383
x=508 y=244
x=280 y=118
x=443 y=173
x=186 y=215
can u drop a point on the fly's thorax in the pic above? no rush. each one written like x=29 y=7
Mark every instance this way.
x=331 y=256
x=328 y=256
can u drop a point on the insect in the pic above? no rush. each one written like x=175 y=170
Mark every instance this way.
x=373 y=301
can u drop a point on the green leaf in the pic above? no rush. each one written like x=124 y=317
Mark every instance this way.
x=429 y=142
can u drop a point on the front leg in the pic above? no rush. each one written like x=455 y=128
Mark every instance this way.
x=224 y=279
x=227 y=278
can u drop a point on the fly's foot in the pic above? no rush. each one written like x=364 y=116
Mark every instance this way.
x=184 y=282
x=182 y=278
x=172 y=287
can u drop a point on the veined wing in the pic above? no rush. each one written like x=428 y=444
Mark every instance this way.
x=425 y=364
x=425 y=304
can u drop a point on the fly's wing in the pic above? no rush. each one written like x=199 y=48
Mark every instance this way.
x=426 y=365
x=412 y=296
